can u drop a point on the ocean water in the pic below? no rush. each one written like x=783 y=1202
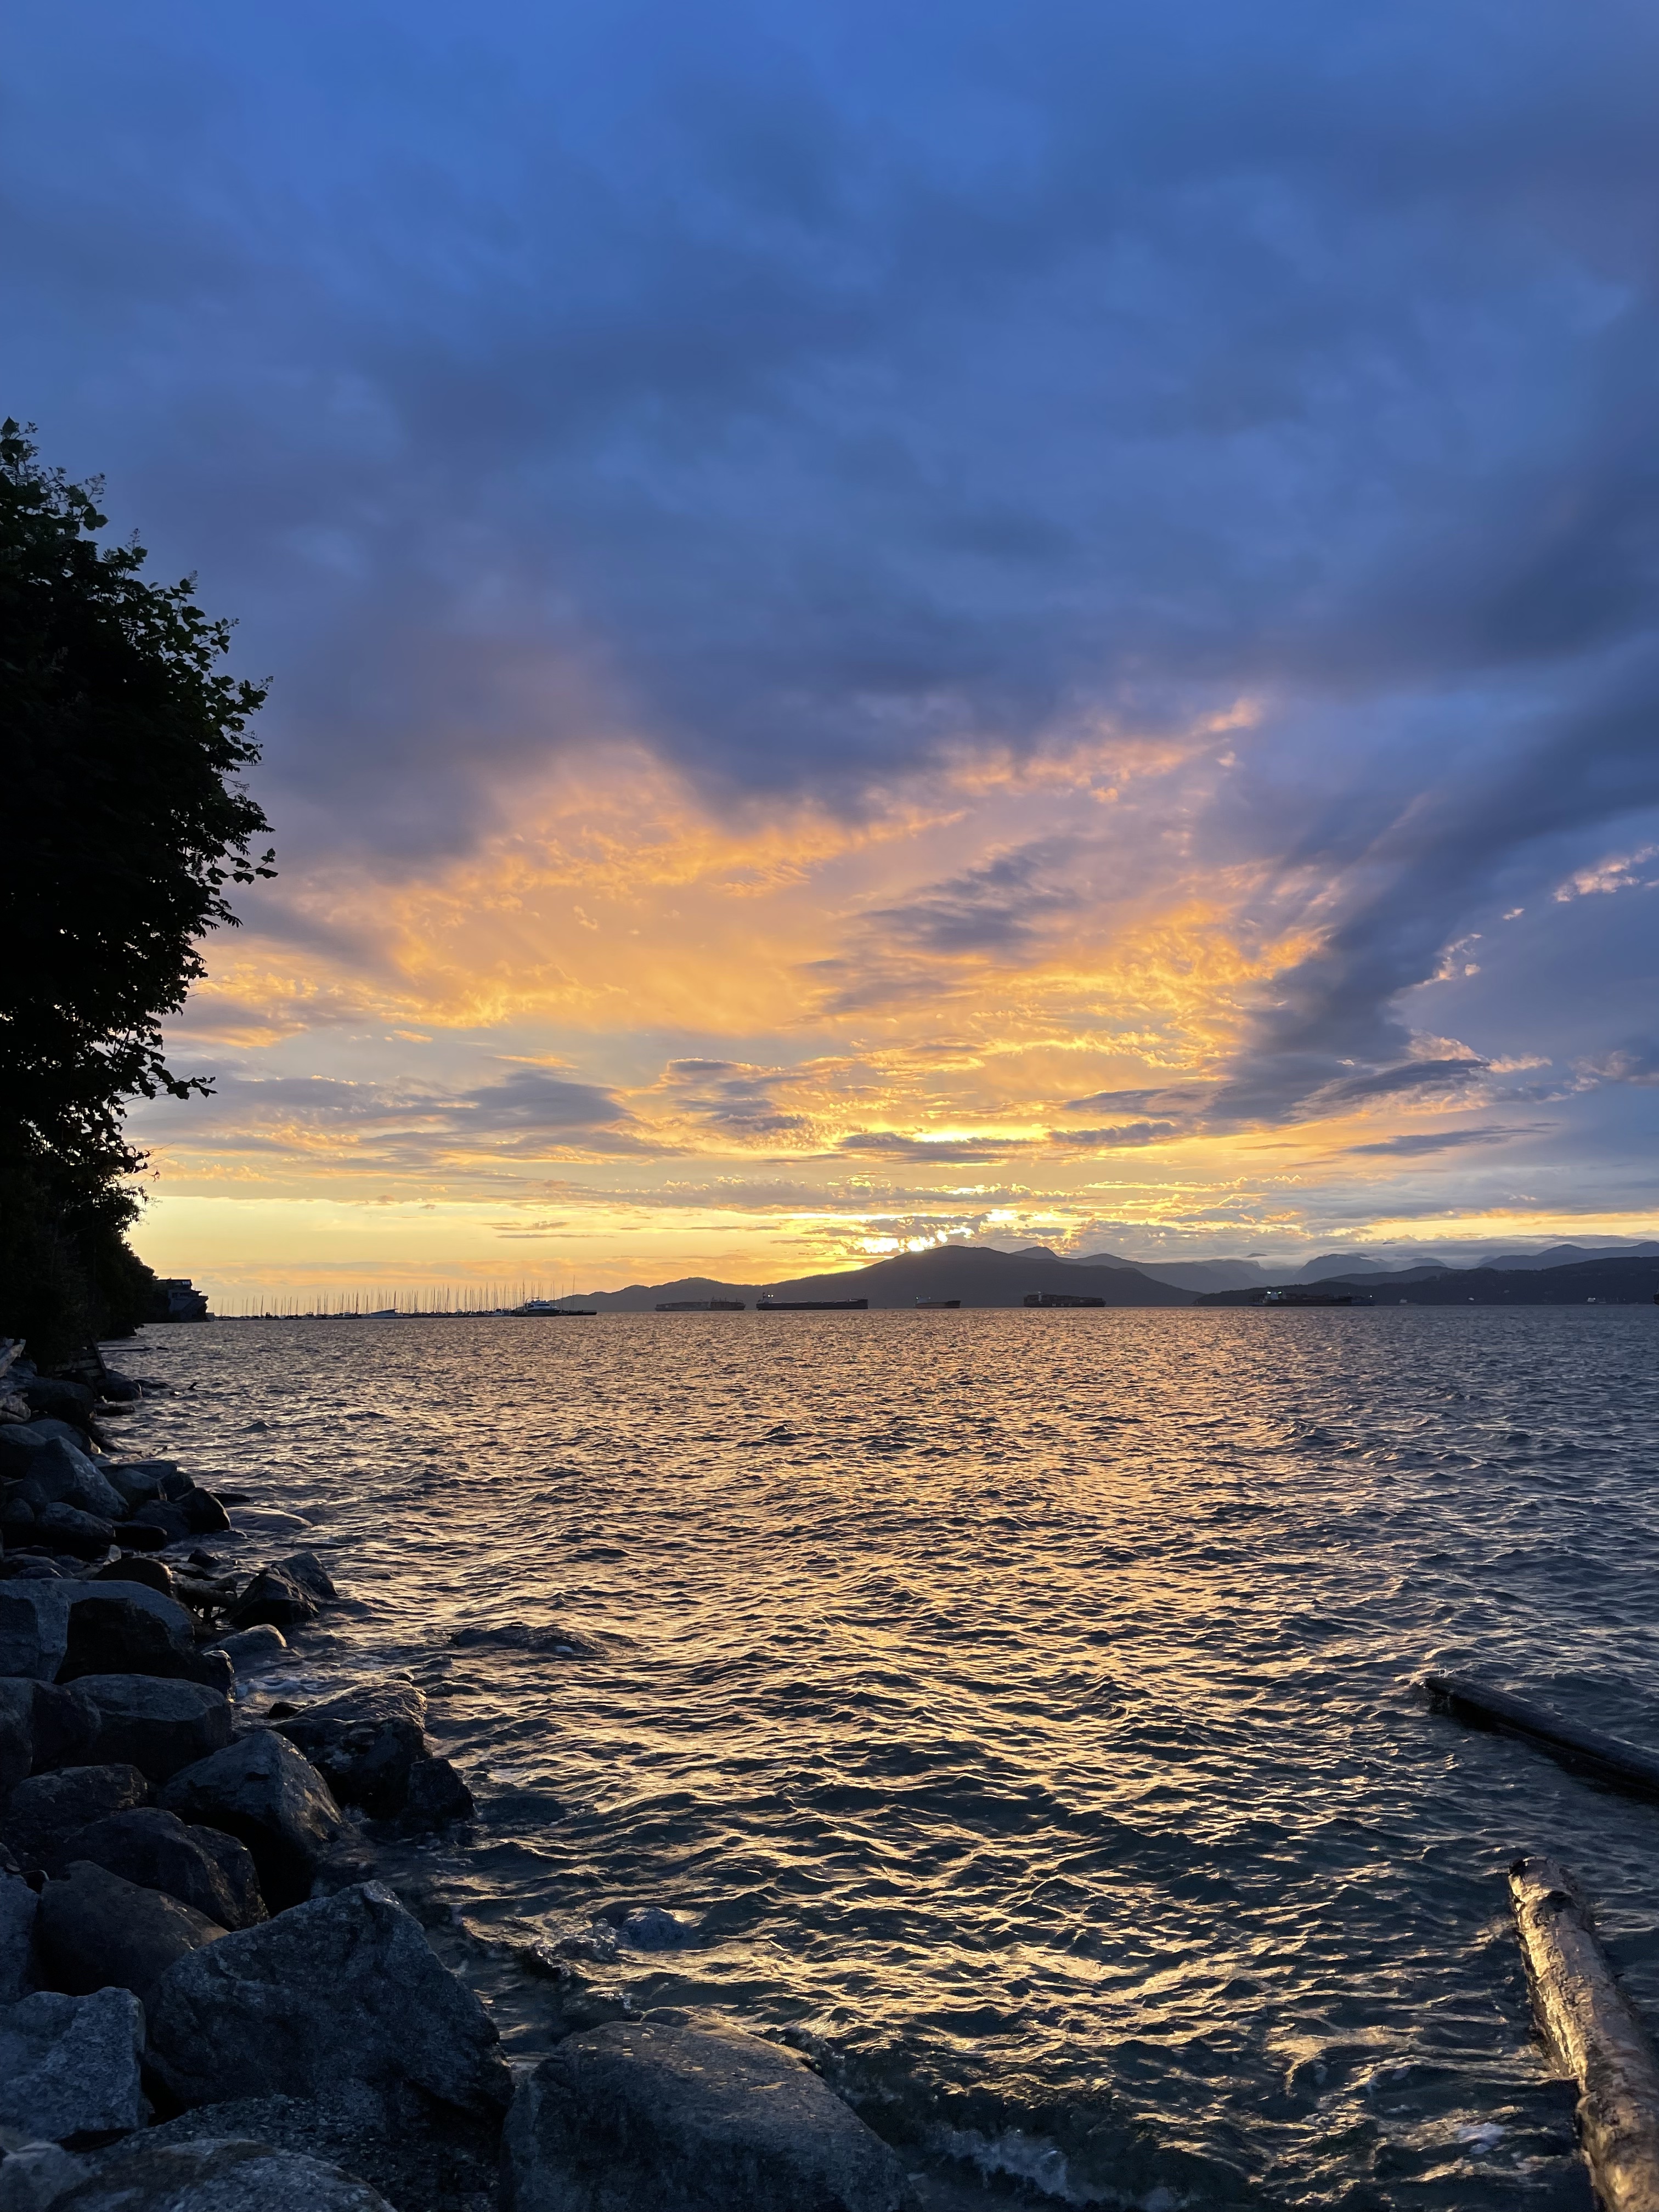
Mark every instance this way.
x=1015 y=1710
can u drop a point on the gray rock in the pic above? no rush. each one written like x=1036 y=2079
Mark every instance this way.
x=94 y=1931
x=82 y=1535
x=68 y=2066
x=154 y=1574
x=254 y=1648
x=203 y=1867
x=346 y=1987
x=308 y=1571
x=274 y=1598
x=204 y=1514
x=420 y=2156
x=363 y=1743
x=436 y=1794
x=215 y=2174
x=64 y=1401
x=35 y=2178
x=47 y=1809
x=34 y=1618
x=17 y=1904
x=18 y=1445
x=159 y=1726
x=136 y=1481
x=640 y=2117
x=168 y=1521
x=65 y=1728
x=16 y=1730
x=109 y=1632
x=68 y=1477
x=264 y=1792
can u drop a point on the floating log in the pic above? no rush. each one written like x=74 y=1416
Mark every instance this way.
x=1591 y=2032
x=1587 y=1750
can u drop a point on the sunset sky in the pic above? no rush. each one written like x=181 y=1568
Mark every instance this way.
x=1024 y=623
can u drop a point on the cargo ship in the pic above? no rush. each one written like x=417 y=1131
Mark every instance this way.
x=1059 y=1298
x=811 y=1305
x=701 y=1305
x=939 y=1305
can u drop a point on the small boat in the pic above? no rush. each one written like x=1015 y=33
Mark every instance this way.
x=938 y=1305
x=546 y=1309
x=811 y=1305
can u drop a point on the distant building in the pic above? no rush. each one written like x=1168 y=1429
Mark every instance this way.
x=180 y=1300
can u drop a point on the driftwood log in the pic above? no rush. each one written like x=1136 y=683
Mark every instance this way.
x=1591 y=2032
x=1625 y=1765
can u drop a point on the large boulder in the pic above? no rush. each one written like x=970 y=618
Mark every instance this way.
x=66 y=1529
x=68 y=2066
x=363 y=1743
x=110 y=1633
x=96 y=1932
x=254 y=1648
x=137 y=1480
x=264 y=1792
x=66 y=1476
x=160 y=1727
x=274 y=1598
x=346 y=1987
x=34 y=1619
x=420 y=2156
x=41 y=1727
x=203 y=1867
x=64 y=1401
x=308 y=1571
x=44 y=1811
x=16 y=1730
x=218 y=2172
x=17 y=1908
x=641 y=2116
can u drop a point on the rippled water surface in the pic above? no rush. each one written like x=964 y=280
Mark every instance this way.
x=1016 y=1707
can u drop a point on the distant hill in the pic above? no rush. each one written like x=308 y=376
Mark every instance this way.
x=1616 y=1281
x=977 y=1274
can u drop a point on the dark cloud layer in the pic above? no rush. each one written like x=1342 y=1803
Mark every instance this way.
x=807 y=392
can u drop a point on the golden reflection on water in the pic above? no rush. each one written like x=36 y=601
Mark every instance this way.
x=1016 y=1708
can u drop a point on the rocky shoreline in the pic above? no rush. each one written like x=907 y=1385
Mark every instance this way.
x=207 y=2003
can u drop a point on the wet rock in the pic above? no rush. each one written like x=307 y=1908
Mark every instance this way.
x=648 y=1928
x=204 y=1514
x=273 y=1597
x=159 y=1726
x=152 y=1574
x=217 y=2172
x=203 y=1867
x=169 y=1524
x=94 y=1931
x=17 y=1905
x=550 y=1640
x=307 y=1569
x=68 y=2066
x=18 y=1445
x=262 y=1792
x=422 y=2157
x=137 y=1480
x=114 y=1634
x=364 y=1742
x=46 y=1811
x=641 y=2116
x=254 y=1648
x=134 y=1536
x=345 y=1987
x=436 y=1794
